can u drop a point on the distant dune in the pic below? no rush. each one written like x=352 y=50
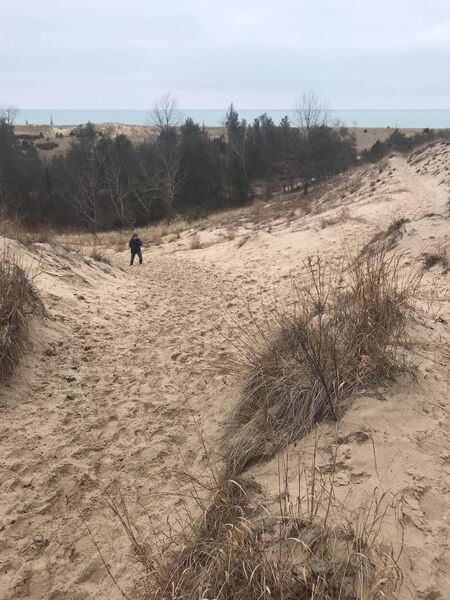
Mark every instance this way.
x=58 y=137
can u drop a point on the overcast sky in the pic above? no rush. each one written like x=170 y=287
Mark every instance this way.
x=256 y=53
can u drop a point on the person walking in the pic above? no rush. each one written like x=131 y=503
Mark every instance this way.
x=135 y=247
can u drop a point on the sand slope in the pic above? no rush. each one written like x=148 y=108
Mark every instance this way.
x=105 y=399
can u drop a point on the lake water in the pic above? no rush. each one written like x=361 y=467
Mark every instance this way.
x=214 y=117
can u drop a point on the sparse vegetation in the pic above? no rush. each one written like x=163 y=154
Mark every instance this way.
x=99 y=255
x=438 y=257
x=340 y=217
x=17 y=302
x=238 y=547
x=230 y=234
x=47 y=145
x=399 y=141
x=386 y=239
x=42 y=233
x=195 y=242
x=345 y=333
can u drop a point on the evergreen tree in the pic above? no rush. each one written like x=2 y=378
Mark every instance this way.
x=201 y=168
x=238 y=183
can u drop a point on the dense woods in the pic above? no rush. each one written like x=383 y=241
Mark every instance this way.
x=106 y=181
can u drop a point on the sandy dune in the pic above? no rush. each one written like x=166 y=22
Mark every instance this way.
x=131 y=362
x=60 y=135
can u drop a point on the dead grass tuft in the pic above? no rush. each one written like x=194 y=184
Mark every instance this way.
x=438 y=257
x=99 y=255
x=44 y=234
x=230 y=234
x=341 y=217
x=346 y=332
x=238 y=546
x=14 y=229
x=195 y=242
x=17 y=302
x=387 y=239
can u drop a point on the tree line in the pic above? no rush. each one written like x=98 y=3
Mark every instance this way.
x=106 y=180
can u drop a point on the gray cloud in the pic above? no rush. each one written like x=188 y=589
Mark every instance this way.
x=111 y=54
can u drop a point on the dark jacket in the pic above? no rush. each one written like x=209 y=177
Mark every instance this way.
x=135 y=245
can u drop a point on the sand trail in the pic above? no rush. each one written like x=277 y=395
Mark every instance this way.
x=106 y=402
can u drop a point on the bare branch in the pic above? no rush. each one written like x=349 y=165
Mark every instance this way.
x=311 y=112
x=8 y=114
x=165 y=113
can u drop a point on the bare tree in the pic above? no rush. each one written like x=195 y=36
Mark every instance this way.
x=165 y=114
x=86 y=194
x=8 y=114
x=85 y=180
x=167 y=179
x=120 y=185
x=311 y=114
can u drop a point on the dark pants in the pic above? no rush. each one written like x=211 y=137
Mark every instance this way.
x=133 y=254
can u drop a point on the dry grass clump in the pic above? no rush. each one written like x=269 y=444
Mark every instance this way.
x=99 y=255
x=195 y=242
x=17 y=302
x=43 y=233
x=117 y=239
x=438 y=257
x=342 y=216
x=387 y=239
x=310 y=547
x=230 y=234
x=344 y=334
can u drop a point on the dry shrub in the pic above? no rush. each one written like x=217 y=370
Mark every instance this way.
x=340 y=217
x=16 y=230
x=230 y=234
x=244 y=239
x=116 y=239
x=156 y=238
x=328 y=222
x=438 y=257
x=43 y=234
x=346 y=332
x=98 y=255
x=17 y=302
x=177 y=231
x=118 y=247
x=238 y=547
x=195 y=242
x=156 y=234
x=387 y=239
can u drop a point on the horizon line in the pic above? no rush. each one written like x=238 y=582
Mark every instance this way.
x=225 y=109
